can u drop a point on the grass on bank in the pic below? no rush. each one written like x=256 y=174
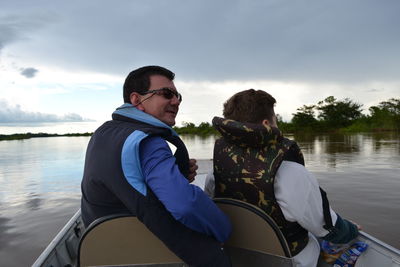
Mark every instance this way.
x=21 y=136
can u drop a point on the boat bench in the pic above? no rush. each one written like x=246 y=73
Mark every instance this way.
x=113 y=241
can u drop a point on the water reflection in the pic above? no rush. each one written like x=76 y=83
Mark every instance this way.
x=33 y=167
x=335 y=151
x=200 y=147
x=40 y=183
x=6 y=233
x=329 y=152
x=33 y=201
x=24 y=233
x=386 y=141
x=331 y=144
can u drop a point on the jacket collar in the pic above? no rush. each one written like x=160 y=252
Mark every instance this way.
x=247 y=134
x=128 y=110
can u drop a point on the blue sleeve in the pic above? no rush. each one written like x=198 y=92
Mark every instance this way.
x=187 y=203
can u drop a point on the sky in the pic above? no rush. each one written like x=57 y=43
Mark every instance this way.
x=66 y=61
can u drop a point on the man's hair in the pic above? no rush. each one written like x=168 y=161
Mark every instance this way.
x=251 y=105
x=139 y=80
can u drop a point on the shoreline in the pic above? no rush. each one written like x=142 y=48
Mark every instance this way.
x=22 y=136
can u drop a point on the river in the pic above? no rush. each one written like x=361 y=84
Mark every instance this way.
x=40 y=184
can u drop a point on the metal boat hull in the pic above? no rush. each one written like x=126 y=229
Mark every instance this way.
x=62 y=251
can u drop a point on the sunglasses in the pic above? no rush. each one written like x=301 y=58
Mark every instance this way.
x=166 y=92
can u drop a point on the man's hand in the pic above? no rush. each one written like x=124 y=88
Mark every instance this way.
x=192 y=170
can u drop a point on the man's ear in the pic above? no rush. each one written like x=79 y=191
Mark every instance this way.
x=135 y=101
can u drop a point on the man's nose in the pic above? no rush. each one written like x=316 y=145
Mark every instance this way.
x=175 y=101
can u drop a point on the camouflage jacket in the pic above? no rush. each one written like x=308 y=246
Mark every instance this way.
x=246 y=159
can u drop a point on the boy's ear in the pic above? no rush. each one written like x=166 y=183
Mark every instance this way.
x=270 y=123
x=266 y=123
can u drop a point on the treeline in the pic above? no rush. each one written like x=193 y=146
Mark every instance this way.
x=31 y=135
x=204 y=128
x=332 y=115
x=328 y=115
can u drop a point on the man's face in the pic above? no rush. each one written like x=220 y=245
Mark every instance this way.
x=157 y=105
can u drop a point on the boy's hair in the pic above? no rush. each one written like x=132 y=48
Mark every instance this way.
x=251 y=105
x=139 y=80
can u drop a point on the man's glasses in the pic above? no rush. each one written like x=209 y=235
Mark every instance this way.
x=166 y=92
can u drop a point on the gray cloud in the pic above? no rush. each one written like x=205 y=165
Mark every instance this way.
x=340 y=41
x=14 y=114
x=374 y=90
x=18 y=26
x=9 y=31
x=29 y=72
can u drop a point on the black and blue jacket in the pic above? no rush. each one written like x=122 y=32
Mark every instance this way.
x=129 y=168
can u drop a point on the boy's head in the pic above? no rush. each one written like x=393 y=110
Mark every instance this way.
x=254 y=106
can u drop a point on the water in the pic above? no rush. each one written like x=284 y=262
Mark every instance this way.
x=50 y=127
x=40 y=185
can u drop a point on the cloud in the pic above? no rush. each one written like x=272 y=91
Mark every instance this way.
x=17 y=26
x=301 y=51
x=236 y=40
x=8 y=32
x=373 y=90
x=29 y=72
x=14 y=114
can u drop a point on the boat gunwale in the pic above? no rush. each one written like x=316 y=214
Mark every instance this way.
x=365 y=237
x=375 y=243
x=52 y=247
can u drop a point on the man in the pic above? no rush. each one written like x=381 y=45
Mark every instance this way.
x=253 y=162
x=129 y=168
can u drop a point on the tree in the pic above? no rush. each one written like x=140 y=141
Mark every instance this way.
x=189 y=125
x=286 y=127
x=204 y=128
x=338 y=114
x=391 y=107
x=304 y=117
x=386 y=115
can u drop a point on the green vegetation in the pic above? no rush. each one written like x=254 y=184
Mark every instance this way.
x=328 y=115
x=204 y=128
x=32 y=135
x=344 y=116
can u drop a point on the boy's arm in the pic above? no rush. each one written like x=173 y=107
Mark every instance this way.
x=298 y=194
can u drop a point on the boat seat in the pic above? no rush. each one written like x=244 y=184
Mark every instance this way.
x=255 y=241
x=123 y=240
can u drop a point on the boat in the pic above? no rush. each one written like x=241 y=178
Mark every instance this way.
x=255 y=241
